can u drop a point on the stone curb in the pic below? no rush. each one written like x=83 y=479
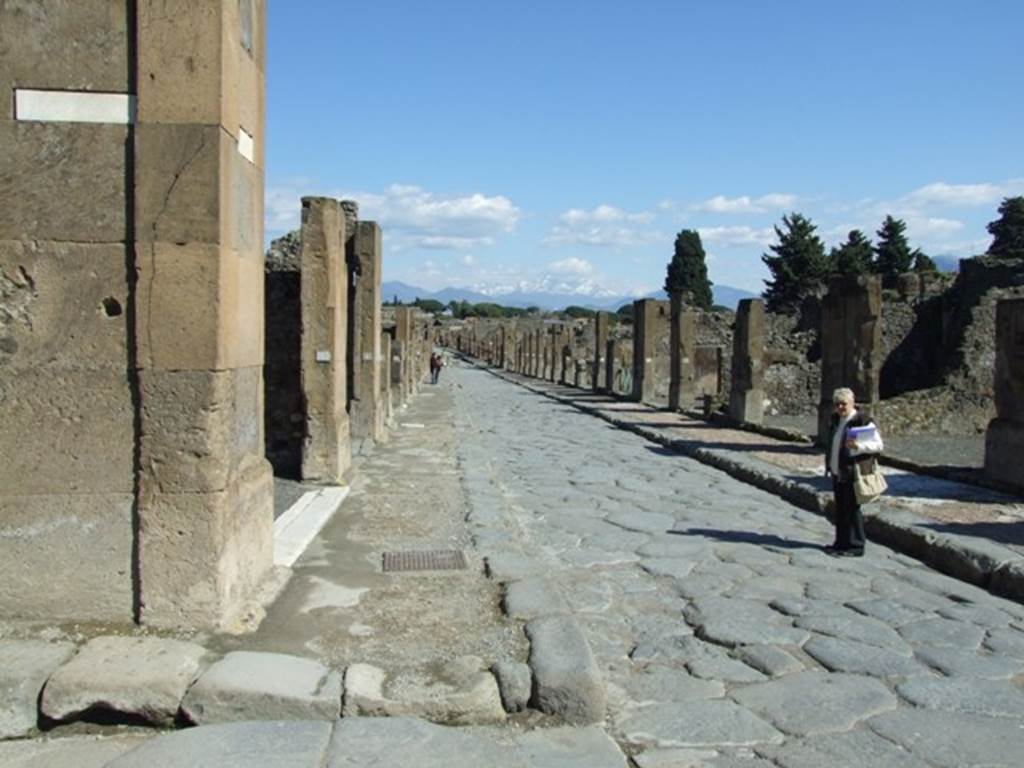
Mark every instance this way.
x=985 y=564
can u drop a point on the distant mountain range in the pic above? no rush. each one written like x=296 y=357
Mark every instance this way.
x=724 y=295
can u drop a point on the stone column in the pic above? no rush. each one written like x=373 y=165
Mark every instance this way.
x=601 y=322
x=398 y=377
x=326 y=451
x=851 y=344
x=568 y=372
x=367 y=420
x=611 y=357
x=538 y=353
x=682 y=351
x=404 y=337
x=746 y=394
x=646 y=313
x=555 y=353
x=385 y=383
x=1004 y=439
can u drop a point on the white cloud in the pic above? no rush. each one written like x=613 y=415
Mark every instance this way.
x=603 y=214
x=572 y=265
x=940 y=193
x=746 y=204
x=469 y=260
x=738 y=236
x=603 y=226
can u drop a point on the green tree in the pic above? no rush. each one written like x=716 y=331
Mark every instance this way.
x=576 y=311
x=799 y=266
x=1008 y=230
x=893 y=256
x=852 y=257
x=687 y=273
x=625 y=313
x=923 y=262
x=429 y=305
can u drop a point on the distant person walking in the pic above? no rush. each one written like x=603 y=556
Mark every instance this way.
x=436 y=364
x=853 y=443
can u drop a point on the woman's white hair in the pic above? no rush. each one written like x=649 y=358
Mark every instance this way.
x=843 y=395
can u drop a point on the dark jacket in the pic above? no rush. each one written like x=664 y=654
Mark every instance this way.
x=846 y=461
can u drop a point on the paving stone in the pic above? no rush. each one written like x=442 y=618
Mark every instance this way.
x=898 y=590
x=814 y=702
x=954 y=662
x=796 y=606
x=514 y=683
x=247 y=685
x=861 y=629
x=667 y=566
x=25 y=665
x=672 y=648
x=891 y=612
x=145 y=677
x=770 y=659
x=643 y=522
x=848 y=656
x=767 y=589
x=462 y=692
x=697 y=724
x=969 y=695
x=725 y=669
x=697 y=586
x=658 y=684
x=856 y=748
x=952 y=739
x=943 y=632
x=511 y=566
x=68 y=752
x=947 y=586
x=746 y=630
x=982 y=615
x=532 y=597
x=566 y=678
x=252 y=744
x=616 y=541
x=674 y=758
x=676 y=546
x=1006 y=641
x=400 y=741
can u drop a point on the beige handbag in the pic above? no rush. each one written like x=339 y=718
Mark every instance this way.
x=868 y=486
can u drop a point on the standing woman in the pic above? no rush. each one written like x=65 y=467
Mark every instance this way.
x=843 y=452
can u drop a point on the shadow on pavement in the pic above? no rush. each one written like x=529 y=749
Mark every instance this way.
x=747 y=537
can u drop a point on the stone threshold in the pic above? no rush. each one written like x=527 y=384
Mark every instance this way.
x=303 y=520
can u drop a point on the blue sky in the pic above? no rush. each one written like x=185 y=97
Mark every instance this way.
x=561 y=145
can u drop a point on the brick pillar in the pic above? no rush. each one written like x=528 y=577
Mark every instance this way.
x=746 y=395
x=646 y=314
x=601 y=322
x=682 y=351
x=1004 y=439
x=365 y=412
x=851 y=343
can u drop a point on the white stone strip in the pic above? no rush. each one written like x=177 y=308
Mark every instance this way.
x=74 y=106
x=246 y=145
x=303 y=520
x=413 y=425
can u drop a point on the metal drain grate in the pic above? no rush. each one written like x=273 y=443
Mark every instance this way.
x=425 y=560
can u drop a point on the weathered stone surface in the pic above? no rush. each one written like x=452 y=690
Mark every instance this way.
x=860 y=748
x=668 y=566
x=396 y=741
x=657 y=684
x=532 y=597
x=697 y=724
x=968 y=695
x=954 y=740
x=733 y=622
x=849 y=656
x=724 y=668
x=145 y=677
x=462 y=693
x=253 y=744
x=942 y=632
x=812 y=702
x=861 y=629
x=515 y=682
x=566 y=678
x=642 y=522
x=983 y=615
x=891 y=612
x=954 y=662
x=771 y=660
x=247 y=685
x=511 y=566
x=68 y=752
x=25 y=666
x=1008 y=641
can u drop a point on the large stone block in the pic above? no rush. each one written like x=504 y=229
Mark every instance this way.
x=62 y=306
x=1004 y=445
x=201 y=553
x=66 y=557
x=25 y=666
x=746 y=396
x=1009 y=374
x=64 y=44
x=199 y=426
x=199 y=307
x=52 y=172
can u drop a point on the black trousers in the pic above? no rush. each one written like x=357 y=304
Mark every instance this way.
x=849 y=521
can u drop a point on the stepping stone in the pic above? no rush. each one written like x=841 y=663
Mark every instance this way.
x=252 y=744
x=566 y=678
x=143 y=677
x=952 y=739
x=247 y=685
x=25 y=666
x=462 y=692
x=967 y=695
x=864 y=748
x=68 y=752
x=697 y=724
x=814 y=702
x=848 y=656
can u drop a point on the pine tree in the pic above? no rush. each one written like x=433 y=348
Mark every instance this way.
x=1008 y=230
x=852 y=257
x=893 y=256
x=799 y=266
x=687 y=272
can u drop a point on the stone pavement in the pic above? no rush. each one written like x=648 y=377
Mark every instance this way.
x=661 y=613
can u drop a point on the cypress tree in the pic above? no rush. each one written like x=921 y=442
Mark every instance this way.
x=687 y=272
